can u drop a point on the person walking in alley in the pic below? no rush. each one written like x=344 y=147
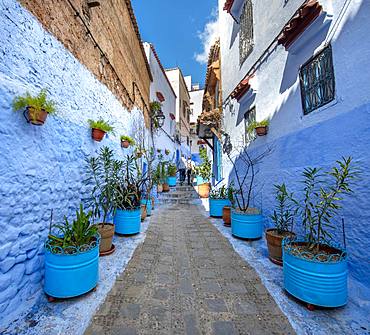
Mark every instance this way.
x=182 y=169
x=189 y=170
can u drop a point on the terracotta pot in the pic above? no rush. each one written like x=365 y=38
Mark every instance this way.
x=166 y=187
x=97 y=134
x=203 y=190
x=34 y=116
x=125 y=144
x=153 y=202
x=226 y=216
x=261 y=131
x=106 y=232
x=274 y=241
x=143 y=212
x=159 y=188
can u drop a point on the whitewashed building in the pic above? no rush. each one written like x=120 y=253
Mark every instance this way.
x=305 y=66
x=196 y=99
x=162 y=91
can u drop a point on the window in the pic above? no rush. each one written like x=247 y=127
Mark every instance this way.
x=246 y=31
x=317 y=81
x=249 y=117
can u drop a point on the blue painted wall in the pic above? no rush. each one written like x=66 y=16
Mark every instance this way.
x=42 y=167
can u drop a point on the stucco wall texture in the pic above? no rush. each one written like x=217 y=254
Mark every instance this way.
x=42 y=167
x=340 y=128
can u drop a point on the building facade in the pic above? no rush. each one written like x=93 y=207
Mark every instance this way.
x=83 y=57
x=296 y=63
x=180 y=87
x=196 y=100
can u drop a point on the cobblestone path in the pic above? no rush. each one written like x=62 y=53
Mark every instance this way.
x=186 y=279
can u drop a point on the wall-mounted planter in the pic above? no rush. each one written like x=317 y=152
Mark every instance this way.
x=261 y=130
x=165 y=187
x=245 y=225
x=125 y=144
x=320 y=280
x=106 y=232
x=97 y=134
x=203 y=190
x=143 y=213
x=148 y=204
x=69 y=275
x=171 y=181
x=127 y=222
x=274 y=244
x=216 y=207
x=35 y=117
x=226 y=216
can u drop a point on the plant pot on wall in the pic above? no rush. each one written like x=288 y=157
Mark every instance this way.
x=97 y=134
x=203 y=190
x=125 y=144
x=274 y=244
x=246 y=225
x=106 y=232
x=261 y=130
x=317 y=278
x=34 y=116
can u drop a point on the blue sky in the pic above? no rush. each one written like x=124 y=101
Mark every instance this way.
x=180 y=32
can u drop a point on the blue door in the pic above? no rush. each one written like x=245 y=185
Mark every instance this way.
x=217 y=159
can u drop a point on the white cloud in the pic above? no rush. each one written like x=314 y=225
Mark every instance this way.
x=208 y=37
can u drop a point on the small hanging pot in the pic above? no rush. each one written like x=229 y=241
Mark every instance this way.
x=261 y=131
x=125 y=144
x=34 y=116
x=97 y=134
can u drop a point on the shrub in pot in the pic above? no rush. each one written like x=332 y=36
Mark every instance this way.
x=283 y=218
x=204 y=170
x=72 y=257
x=315 y=265
x=35 y=108
x=260 y=127
x=99 y=128
x=126 y=141
x=100 y=171
x=246 y=221
x=171 y=173
x=218 y=199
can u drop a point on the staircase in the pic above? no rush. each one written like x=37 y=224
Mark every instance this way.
x=178 y=195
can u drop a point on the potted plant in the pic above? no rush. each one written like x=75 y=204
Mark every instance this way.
x=99 y=129
x=226 y=210
x=155 y=108
x=157 y=178
x=35 y=108
x=260 y=127
x=100 y=170
x=283 y=219
x=72 y=257
x=218 y=199
x=246 y=221
x=315 y=266
x=126 y=141
x=171 y=172
x=164 y=177
x=143 y=212
x=159 y=150
x=204 y=170
x=127 y=196
x=167 y=152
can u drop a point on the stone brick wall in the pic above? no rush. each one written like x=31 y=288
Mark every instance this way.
x=113 y=28
x=42 y=167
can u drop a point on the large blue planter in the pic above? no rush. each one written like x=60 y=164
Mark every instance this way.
x=171 y=181
x=246 y=225
x=70 y=275
x=315 y=282
x=148 y=203
x=127 y=222
x=216 y=206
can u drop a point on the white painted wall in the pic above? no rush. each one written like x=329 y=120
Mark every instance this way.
x=340 y=128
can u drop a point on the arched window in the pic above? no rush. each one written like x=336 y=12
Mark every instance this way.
x=246 y=31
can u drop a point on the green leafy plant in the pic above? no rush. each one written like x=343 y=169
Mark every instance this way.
x=284 y=212
x=323 y=193
x=101 y=124
x=39 y=102
x=76 y=234
x=129 y=139
x=155 y=106
x=223 y=192
x=205 y=168
x=167 y=152
x=171 y=170
x=253 y=125
x=163 y=172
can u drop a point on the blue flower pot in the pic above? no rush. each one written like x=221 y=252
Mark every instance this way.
x=216 y=206
x=127 y=222
x=70 y=275
x=200 y=180
x=171 y=181
x=315 y=282
x=148 y=203
x=246 y=225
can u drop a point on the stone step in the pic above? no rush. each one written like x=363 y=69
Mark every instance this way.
x=178 y=195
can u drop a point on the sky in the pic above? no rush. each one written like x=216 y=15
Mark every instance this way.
x=181 y=32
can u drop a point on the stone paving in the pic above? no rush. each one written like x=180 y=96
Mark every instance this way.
x=187 y=279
